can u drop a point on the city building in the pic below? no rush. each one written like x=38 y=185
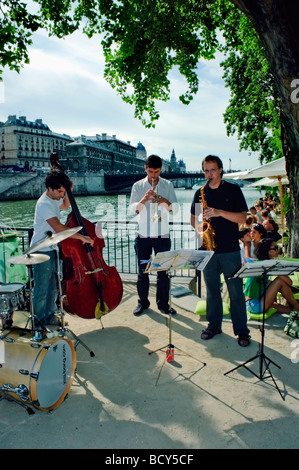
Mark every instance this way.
x=177 y=166
x=102 y=152
x=27 y=145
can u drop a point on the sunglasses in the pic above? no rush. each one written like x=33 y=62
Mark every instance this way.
x=274 y=248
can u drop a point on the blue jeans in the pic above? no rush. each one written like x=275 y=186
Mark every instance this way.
x=254 y=305
x=45 y=289
x=143 y=248
x=227 y=264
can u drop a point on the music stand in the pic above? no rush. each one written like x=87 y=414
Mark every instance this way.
x=264 y=268
x=167 y=261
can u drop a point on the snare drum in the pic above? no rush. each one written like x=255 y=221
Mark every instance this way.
x=36 y=373
x=12 y=297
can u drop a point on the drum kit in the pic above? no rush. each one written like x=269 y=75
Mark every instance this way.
x=36 y=367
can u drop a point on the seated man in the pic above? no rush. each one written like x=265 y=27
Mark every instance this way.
x=272 y=229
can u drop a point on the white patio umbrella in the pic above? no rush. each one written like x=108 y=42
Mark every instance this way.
x=275 y=169
x=271 y=182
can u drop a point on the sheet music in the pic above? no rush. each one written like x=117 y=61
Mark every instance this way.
x=271 y=267
x=180 y=259
x=284 y=268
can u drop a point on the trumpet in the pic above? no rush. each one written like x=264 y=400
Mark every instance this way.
x=156 y=217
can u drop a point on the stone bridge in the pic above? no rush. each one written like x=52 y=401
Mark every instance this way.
x=114 y=183
x=14 y=186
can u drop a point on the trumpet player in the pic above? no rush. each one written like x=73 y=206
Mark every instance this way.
x=224 y=208
x=152 y=199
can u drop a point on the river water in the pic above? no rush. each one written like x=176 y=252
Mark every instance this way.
x=94 y=208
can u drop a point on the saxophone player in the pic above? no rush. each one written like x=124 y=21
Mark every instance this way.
x=224 y=208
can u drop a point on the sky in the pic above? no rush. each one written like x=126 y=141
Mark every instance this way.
x=64 y=86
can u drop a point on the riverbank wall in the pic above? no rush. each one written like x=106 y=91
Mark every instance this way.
x=19 y=186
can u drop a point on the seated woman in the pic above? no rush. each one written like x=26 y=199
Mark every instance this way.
x=254 y=286
x=245 y=243
x=258 y=232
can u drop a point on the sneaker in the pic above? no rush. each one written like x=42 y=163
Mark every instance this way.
x=168 y=311
x=54 y=321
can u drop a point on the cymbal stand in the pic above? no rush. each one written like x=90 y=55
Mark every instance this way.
x=63 y=330
x=170 y=348
x=38 y=334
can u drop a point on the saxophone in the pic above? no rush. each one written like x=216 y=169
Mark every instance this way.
x=206 y=230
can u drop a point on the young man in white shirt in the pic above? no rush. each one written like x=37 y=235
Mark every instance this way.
x=47 y=219
x=152 y=199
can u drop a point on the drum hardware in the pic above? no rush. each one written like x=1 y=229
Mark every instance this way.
x=38 y=334
x=37 y=374
x=63 y=330
x=9 y=340
x=29 y=260
x=21 y=391
x=12 y=297
x=11 y=398
x=44 y=382
x=52 y=239
x=6 y=321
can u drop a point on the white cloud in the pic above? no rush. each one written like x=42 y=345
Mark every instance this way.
x=64 y=86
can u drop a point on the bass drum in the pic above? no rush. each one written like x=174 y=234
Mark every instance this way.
x=36 y=373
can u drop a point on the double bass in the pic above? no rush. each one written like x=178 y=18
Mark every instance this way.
x=91 y=287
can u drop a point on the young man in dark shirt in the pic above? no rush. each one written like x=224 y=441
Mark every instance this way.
x=226 y=208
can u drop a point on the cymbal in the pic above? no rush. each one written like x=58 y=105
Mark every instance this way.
x=28 y=259
x=52 y=240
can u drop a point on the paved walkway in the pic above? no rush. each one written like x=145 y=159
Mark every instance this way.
x=126 y=397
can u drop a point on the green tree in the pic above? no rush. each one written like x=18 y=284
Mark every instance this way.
x=143 y=40
x=275 y=22
x=254 y=107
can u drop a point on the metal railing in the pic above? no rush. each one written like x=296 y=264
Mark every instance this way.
x=119 y=240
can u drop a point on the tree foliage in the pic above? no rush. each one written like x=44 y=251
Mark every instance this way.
x=16 y=28
x=143 y=40
x=254 y=108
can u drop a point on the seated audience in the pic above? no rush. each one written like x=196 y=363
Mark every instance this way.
x=256 y=212
x=256 y=297
x=272 y=229
x=245 y=244
x=258 y=232
x=250 y=220
x=265 y=215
